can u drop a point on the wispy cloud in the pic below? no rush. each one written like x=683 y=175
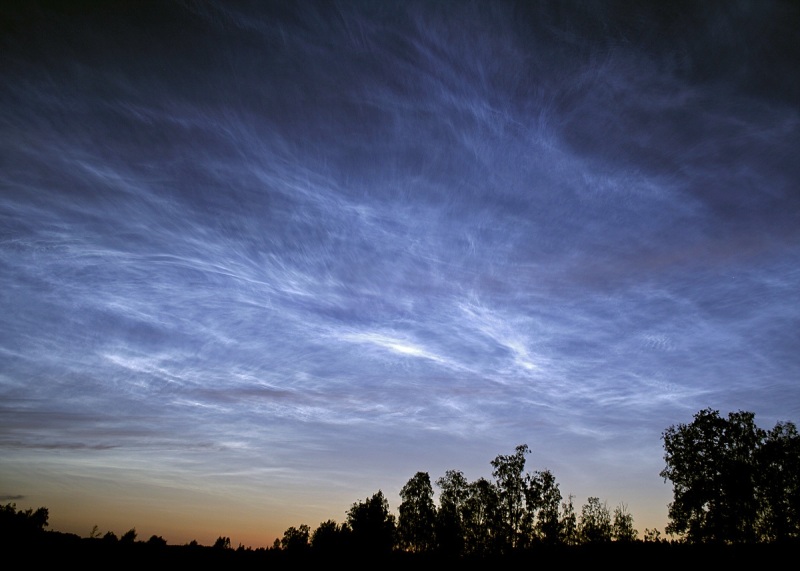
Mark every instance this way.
x=291 y=244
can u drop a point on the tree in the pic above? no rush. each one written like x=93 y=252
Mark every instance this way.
x=373 y=527
x=778 y=480
x=22 y=523
x=622 y=529
x=511 y=491
x=295 y=539
x=110 y=537
x=568 y=524
x=712 y=465
x=417 y=514
x=129 y=536
x=595 y=523
x=157 y=541
x=223 y=542
x=482 y=518
x=652 y=535
x=330 y=536
x=454 y=490
x=544 y=495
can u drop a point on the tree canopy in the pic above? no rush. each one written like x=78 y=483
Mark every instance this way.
x=373 y=526
x=733 y=482
x=417 y=520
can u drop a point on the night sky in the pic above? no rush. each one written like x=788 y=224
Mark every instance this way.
x=259 y=260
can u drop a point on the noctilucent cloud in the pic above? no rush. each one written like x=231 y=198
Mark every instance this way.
x=259 y=260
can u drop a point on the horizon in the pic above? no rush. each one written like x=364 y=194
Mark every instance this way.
x=259 y=261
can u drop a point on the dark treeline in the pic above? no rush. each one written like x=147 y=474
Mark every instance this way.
x=514 y=511
x=736 y=493
x=733 y=482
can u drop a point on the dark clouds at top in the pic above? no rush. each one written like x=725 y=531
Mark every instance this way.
x=322 y=240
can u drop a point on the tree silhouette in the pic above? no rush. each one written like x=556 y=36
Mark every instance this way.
x=778 y=479
x=110 y=537
x=330 y=537
x=129 y=536
x=18 y=524
x=568 y=524
x=508 y=471
x=544 y=496
x=296 y=539
x=482 y=518
x=712 y=465
x=454 y=491
x=622 y=527
x=156 y=541
x=417 y=519
x=513 y=514
x=652 y=535
x=373 y=527
x=595 y=522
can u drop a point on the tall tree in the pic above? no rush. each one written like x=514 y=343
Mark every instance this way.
x=453 y=493
x=595 y=522
x=545 y=496
x=373 y=527
x=712 y=465
x=622 y=529
x=568 y=524
x=417 y=514
x=508 y=472
x=482 y=518
x=779 y=484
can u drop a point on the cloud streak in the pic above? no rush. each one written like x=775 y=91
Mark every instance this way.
x=338 y=244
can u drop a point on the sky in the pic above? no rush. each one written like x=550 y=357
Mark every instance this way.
x=260 y=260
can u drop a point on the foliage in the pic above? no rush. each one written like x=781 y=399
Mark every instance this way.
x=129 y=536
x=508 y=472
x=778 y=481
x=329 y=536
x=18 y=523
x=156 y=540
x=732 y=481
x=568 y=524
x=296 y=538
x=595 y=522
x=417 y=519
x=454 y=491
x=544 y=495
x=481 y=516
x=652 y=535
x=622 y=527
x=110 y=537
x=373 y=527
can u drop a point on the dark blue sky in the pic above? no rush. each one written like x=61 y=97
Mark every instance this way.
x=259 y=260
